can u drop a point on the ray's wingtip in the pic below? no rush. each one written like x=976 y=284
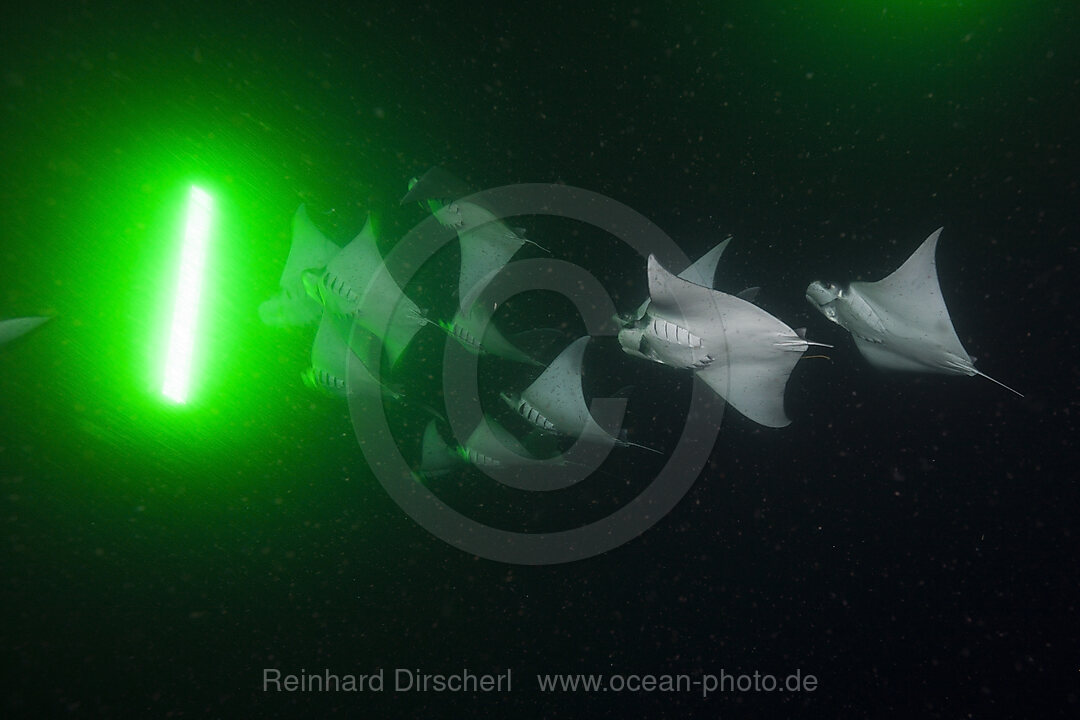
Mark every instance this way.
x=409 y=196
x=13 y=328
x=653 y=265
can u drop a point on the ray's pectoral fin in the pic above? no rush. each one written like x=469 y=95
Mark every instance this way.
x=918 y=328
x=909 y=303
x=703 y=270
x=882 y=357
x=17 y=327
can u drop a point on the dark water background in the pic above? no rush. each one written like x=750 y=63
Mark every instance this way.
x=909 y=540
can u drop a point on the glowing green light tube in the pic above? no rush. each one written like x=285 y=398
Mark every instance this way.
x=188 y=289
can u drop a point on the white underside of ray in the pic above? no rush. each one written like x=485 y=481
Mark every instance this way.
x=487 y=245
x=555 y=401
x=911 y=313
x=357 y=284
x=477 y=332
x=341 y=359
x=310 y=250
x=882 y=357
x=475 y=328
x=17 y=327
x=902 y=323
x=752 y=353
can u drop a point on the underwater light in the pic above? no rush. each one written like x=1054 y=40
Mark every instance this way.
x=188 y=289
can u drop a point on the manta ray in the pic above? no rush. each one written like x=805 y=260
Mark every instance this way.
x=310 y=250
x=342 y=358
x=489 y=445
x=901 y=322
x=701 y=272
x=555 y=402
x=740 y=351
x=487 y=245
x=356 y=284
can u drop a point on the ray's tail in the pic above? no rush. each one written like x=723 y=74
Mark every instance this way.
x=627 y=443
x=998 y=382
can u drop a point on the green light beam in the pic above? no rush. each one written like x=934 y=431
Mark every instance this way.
x=188 y=288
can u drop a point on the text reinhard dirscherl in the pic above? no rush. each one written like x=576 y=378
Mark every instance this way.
x=401 y=680
x=466 y=681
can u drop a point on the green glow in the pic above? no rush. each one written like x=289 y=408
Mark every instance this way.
x=188 y=289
